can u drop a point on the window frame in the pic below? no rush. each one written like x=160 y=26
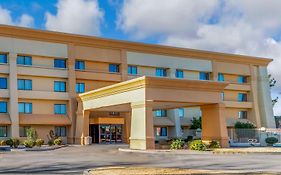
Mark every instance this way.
x=160 y=131
x=162 y=72
x=206 y=76
x=4 y=58
x=25 y=106
x=220 y=77
x=241 y=97
x=78 y=65
x=27 y=60
x=242 y=79
x=58 y=62
x=24 y=129
x=243 y=114
x=5 y=107
x=179 y=72
x=114 y=68
x=78 y=87
x=162 y=112
x=5 y=79
x=58 y=131
x=25 y=87
x=61 y=88
x=5 y=131
x=132 y=70
x=181 y=111
x=60 y=112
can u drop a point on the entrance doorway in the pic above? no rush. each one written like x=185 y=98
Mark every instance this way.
x=106 y=133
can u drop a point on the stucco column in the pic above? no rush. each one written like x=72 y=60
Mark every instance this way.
x=172 y=73
x=175 y=131
x=213 y=124
x=124 y=65
x=142 y=132
x=13 y=88
x=127 y=127
x=82 y=121
x=214 y=75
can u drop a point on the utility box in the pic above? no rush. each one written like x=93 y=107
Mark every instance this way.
x=88 y=140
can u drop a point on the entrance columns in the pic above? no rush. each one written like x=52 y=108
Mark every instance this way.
x=82 y=128
x=142 y=130
x=213 y=124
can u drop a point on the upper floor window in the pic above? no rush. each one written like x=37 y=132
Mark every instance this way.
x=114 y=68
x=60 y=131
x=161 y=131
x=80 y=87
x=60 y=86
x=181 y=112
x=3 y=83
x=60 y=63
x=179 y=73
x=220 y=77
x=24 y=60
x=3 y=131
x=242 y=97
x=24 y=84
x=160 y=113
x=3 y=59
x=60 y=108
x=25 y=108
x=79 y=65
x=133 y=70
x=161 y=72
x=204 y=76
x=242 y=79
x=3 y=107
x=242 y=114
x=222 y=96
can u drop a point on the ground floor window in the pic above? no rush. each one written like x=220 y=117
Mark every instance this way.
x=60 y=131
x=161 y=131
x=242 y=114
x=23 y=131
x=3 y=131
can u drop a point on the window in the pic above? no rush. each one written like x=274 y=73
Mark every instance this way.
x=80 y=87
x=3 y=83
x=242 y=97
x=114 y=113
x=242 y=114
x=25 y=108
x=60 y=63
x=3 y=58
x=60 y=108
x=60 y=86
x=60 y=131
x=23 y=131
x=160 y=113
x=79 y=65
x=113 y=68
x=222 y=96
x=161 y=131
x=24 y=84
x=204 y=76
x=3 y=131
x=133 y=70
x=179 y=73
x=24 y=60
x=161 y=72
x=220 y=77
x=181 y=112
x=242 y=79
x=3 y=107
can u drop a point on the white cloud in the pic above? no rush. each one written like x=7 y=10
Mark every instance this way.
x=76 y=16
x=6 y=18
x=235 y=26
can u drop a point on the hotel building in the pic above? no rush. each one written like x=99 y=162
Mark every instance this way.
x=119 y=91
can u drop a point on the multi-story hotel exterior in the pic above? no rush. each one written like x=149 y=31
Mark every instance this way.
x=42 y=73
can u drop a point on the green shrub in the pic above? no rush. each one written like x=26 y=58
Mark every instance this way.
x=188 y=139
x=9 y=142
x=31 y=134
x=244 y=125
x=197 y=145
x=214 y=144
x=39 y=142
x=196 y=123
x=16 y=142
x=58 y=141
x=177 y=144
x=271 y=140
x=29 y=143
x=2 y=142
x=245 y=129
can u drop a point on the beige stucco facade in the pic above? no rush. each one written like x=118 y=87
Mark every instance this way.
x=97 y=54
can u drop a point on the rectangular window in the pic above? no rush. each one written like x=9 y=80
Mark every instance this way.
x=161 y=72
x=179 y=73
x=60 y=86
x=24 y=84
x=114 y=113
x=160 y=113
x=204 y=76
x=113 y=67
x=3 y=131
x=3 y=83
x=220 y=77
x=60 y=131
x=80 y=87
x=132 y=70
x=60 y=108
x=242 y=79
x=222 y=96
x=25 y=108
x=24 y=60
x=181 y=112
x=3 y=59
x=60 y=63
x=242 y=114
x=242 y=97
x=79 y=65
x=23 y=131
x=3 y=107
x=161 y=131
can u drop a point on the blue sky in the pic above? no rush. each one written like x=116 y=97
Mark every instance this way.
x=251 y=27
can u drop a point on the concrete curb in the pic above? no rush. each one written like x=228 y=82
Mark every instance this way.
x=165 y=151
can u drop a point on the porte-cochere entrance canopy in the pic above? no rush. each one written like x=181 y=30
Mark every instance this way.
x=140 y=96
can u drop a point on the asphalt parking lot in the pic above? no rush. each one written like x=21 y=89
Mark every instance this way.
x=75 y=159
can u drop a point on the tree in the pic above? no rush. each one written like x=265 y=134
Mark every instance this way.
x=196 y=123
x=272 y=83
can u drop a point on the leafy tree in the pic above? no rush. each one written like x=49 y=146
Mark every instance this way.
x=272 y=83
x=196 y=123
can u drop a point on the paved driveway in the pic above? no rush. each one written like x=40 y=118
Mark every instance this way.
x=75 y=159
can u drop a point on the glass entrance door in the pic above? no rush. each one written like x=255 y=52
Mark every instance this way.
x=110 y=133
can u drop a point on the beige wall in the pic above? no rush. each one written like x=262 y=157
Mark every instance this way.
x=232 y=68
